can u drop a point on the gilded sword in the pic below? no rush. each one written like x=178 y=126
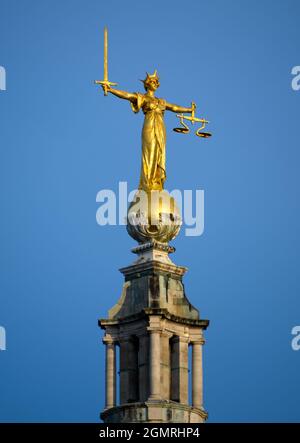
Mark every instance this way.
x=105 y=82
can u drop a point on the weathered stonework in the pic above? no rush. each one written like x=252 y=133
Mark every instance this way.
x=154 y=324
x=159 y=412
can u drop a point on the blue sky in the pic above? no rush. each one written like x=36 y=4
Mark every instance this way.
x=61 y=142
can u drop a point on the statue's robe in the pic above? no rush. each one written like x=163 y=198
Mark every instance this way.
x=153 y=168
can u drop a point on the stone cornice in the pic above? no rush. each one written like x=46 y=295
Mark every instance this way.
x=153 y=266
x=153 y=311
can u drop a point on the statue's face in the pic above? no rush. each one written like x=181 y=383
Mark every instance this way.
x=152 y=84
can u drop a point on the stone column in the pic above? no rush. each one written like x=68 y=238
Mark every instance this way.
x=110 y=374
x=155 y=392
x=197 y=375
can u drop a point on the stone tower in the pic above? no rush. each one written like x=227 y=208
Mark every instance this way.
x=153 y=324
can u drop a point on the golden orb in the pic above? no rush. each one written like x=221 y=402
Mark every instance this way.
x=153 y=215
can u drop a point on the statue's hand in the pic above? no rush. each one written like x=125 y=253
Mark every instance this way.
x=106 y=88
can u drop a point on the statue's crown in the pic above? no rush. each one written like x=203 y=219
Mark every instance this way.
x=154 y=75
x=150 y=76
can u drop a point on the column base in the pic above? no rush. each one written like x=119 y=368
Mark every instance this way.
x=154 y=411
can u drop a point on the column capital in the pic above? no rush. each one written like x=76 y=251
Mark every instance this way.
x=168 y=334
x=108 y=340
x=153 y=330
x=199 y=341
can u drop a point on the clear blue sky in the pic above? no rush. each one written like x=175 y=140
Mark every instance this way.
x=61 y=142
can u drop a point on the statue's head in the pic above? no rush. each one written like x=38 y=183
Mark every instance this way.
x=151 y=81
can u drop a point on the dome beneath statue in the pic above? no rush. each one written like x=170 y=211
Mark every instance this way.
x=153 y=215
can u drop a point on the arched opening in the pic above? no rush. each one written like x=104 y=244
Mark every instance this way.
x=134 y=368
x=129 y=370
x=174 y=365
x=179 y=369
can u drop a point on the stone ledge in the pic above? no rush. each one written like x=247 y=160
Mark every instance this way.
x=153 y=265
x=153 y=311
x=155 y=411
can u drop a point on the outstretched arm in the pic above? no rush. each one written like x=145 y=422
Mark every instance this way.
x=122 y=94
x=175 y=108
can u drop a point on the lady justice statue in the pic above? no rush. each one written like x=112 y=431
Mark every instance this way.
x=148 y=215
x=153 y=167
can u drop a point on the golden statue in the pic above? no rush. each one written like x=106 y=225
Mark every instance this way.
x=153 y=167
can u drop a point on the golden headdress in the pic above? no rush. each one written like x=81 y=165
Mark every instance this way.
x=150 y=76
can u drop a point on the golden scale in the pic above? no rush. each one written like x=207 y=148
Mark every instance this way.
x=184 y=129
